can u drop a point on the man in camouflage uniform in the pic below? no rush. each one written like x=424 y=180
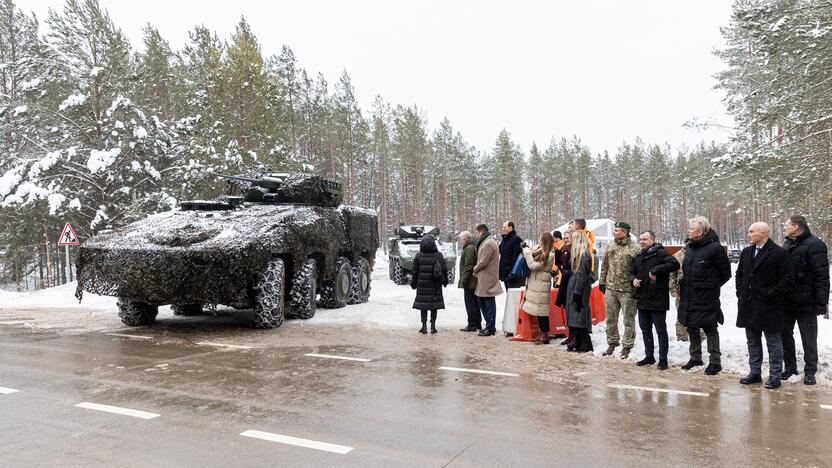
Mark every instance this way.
x=681 y=331
x=618 y=291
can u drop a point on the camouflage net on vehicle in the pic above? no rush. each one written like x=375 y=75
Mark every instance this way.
x=213 y=257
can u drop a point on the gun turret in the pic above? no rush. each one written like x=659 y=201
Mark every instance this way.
x=267 y=180
x=283 y=187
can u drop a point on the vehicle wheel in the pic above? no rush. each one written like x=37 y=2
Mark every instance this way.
x=399 y=276
x=269 y=299
x=451 y=275
x=335 y=293
x=135 y=313
x=391 y=268
x=360 y=282
x=304 y=291
x=186 y=310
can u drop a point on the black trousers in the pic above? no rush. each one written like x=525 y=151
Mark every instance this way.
x=425 y=316
x=647 y=319
x=807 y=323
x=472 y=307
x=543 y=323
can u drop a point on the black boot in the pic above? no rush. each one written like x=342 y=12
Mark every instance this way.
x=692 y=363
x=424 y=329
x=433 y=321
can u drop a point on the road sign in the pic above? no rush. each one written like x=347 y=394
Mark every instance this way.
x=68 y=236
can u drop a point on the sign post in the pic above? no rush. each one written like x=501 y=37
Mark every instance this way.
x=68 y=238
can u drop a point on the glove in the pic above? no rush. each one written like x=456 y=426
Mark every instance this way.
x=602 y=288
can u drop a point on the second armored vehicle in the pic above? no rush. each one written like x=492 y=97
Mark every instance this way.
x=404 y=245
x=273 y=244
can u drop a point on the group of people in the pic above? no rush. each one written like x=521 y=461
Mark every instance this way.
x=777 y=287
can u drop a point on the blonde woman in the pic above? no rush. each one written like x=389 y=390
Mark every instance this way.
x=578 y=315
x=539 y=283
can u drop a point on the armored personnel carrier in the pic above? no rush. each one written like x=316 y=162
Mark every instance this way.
x=404 y=245
x=273 y=244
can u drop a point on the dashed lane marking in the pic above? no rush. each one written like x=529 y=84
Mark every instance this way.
x=223 y=345
x=125 y=335
x=7 y=391
x=343 y=358
x=306 y=443
x=826 y=406
x=117 y=410
x=658 y=390
x=478 y=371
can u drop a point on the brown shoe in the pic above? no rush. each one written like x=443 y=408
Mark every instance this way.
x=625 y=353
x=609 y=351
x=542 y=339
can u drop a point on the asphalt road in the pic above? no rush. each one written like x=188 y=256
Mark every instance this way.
x=184 y=393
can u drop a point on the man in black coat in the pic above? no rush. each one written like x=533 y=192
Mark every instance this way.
x=650 y=276
x=510 y=249
x=808 y=298
x=705 y=269
x=763 y=278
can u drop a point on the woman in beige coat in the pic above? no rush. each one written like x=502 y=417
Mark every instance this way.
x=539 y=283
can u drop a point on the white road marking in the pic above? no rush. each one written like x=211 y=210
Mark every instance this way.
x=306 y=443
x=477 y=371
x=6 y=391
x=125 y=335
x=826 y=406
x=117 y=410
x=659 y=390
x=344 y=358
x=222 y=345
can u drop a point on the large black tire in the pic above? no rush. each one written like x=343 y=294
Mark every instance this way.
x=269 y=298
x=397 y=273
x=336 y=292
x=186 y=310
x=360 y=282
x=135 y=313
x=304 y=291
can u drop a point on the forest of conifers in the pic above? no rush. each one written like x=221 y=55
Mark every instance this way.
x=99 y=132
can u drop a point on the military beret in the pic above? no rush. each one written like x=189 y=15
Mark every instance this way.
x=623 y=225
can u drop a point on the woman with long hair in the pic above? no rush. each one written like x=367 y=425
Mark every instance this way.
x=578 y=315
x=539 y=283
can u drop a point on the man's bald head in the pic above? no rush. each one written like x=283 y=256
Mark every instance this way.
x=758 y=233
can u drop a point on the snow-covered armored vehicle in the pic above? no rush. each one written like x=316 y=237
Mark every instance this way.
x=272 y=244
x=404 y=245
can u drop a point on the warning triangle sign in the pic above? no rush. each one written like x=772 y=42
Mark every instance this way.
x=68 y=236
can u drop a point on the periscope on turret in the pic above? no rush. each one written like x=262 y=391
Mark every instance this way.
x=275 y=243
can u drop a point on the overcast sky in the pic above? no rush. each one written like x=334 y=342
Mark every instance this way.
x=603 y=70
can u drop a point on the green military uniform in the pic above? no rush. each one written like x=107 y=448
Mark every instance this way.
x=615 y=276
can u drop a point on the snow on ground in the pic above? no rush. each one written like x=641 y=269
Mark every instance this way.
x=390 y=307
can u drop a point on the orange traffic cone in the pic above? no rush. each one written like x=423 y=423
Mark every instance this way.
x=527 y=327
x=596 y=306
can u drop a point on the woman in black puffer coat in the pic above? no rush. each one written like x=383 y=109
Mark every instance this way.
x=428 y=262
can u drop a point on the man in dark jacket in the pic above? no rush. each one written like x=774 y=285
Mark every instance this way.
x=468 y=282
x=650 y=276
x=808 y=298
x=427 y=283
x=763 y=279
x=510 y=249
x=705 y=269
